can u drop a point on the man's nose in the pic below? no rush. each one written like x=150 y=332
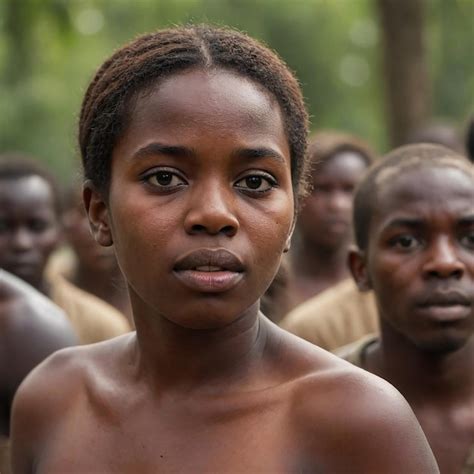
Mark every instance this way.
x=340 y=201
x=211 y=210
x=444 y=260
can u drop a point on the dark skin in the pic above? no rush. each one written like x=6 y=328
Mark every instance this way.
x=420 y=263
x=324 y=226
x=29 y=228
x=96 y=270
x=206 y=383
x=23 y=312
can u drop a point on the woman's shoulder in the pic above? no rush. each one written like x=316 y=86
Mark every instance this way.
x=56 y=384
x=339 y=408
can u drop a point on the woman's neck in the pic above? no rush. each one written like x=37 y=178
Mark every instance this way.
x=171 y=355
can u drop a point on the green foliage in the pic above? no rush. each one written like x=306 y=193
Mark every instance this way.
x=49 y=50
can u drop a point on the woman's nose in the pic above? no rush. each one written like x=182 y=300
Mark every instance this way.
x=211 y=210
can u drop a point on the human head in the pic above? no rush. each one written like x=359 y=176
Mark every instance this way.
x=29 y=217
x=208 y=125
x=144 y=62
x=438 y=132
x=338 y=161
x=397 y=161
x=414 y=218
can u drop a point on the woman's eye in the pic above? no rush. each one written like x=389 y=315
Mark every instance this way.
x=165 y=179
x=256 y=183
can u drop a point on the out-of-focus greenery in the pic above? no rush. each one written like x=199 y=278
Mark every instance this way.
x=49 y=49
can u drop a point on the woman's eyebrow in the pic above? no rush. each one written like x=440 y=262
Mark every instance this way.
x=257 y=153
x=157 y=148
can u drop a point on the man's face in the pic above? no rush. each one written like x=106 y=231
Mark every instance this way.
x=29 y=229
x=325 y=219
x=420 y=256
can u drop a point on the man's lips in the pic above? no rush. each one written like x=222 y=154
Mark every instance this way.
x=209 y=270
x=445 y=298
x=446 y=306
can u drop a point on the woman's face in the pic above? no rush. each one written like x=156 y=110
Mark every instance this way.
x=200 y=205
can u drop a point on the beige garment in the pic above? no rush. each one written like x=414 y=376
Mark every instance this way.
x=335 y=317
x=4 y=455
x=93 y=319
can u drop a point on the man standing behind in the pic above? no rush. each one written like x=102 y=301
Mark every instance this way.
x=30 y=231
x=414 y=226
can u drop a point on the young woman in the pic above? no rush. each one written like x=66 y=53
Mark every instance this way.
x=193 y=144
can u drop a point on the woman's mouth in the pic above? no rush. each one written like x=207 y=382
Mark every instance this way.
x=209 y=270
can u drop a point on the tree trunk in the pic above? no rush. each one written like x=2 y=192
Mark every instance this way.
x=407 y=86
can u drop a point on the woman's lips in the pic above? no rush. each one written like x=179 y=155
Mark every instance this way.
x=209 y=270
x=215 y=281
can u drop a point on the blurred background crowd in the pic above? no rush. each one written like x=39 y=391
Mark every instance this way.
x=376 y=68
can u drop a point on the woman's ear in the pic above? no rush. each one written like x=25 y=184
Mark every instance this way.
x=358 y=267
x=97 y=213
x=290 y=236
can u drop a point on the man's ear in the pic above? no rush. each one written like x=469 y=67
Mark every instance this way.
x=358 y=267
x=97 y=214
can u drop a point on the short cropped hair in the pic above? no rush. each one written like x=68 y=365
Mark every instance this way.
x=15 y=165
x=325 y=144
x=400 y=160
x=153 y=57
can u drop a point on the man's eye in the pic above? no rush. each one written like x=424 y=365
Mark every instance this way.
x=38 y=225
x=405 y=242
x=165 y=179
x=468 y=240
x=256 y=183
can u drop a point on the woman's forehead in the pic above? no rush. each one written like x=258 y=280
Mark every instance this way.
x=195 y=102
x=201 y=93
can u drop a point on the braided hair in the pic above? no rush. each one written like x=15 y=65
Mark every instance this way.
x=152 y=57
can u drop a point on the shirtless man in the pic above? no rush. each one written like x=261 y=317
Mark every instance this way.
x=31 y=328
x=193 y=143
x=414 y=225
x=30 y=230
